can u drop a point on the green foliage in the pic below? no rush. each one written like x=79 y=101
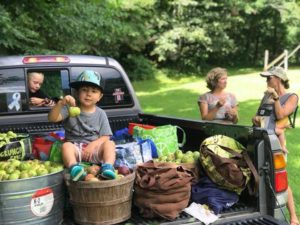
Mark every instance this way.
x=77 y=27
x=16 y=29
x=195 y=33
x=139 y=67
x=52 y=85
x=187 y=35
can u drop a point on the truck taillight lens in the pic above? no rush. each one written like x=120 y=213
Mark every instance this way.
x=279 y=161
x=281 y=181
x=45 y=59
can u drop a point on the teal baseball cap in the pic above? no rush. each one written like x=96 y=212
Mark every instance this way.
x=90 y=78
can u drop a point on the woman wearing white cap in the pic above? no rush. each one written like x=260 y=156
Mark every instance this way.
x=284 y=104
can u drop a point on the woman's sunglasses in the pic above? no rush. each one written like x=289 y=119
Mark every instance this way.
x=269 y=78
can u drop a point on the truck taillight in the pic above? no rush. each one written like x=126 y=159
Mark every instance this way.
x=279 y=161
x=45 y=59
x=281 y=181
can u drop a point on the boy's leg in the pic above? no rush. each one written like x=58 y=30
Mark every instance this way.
x=69 y=155
x=108 y=149
x=107 y=155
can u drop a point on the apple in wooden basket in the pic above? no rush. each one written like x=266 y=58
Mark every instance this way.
x=124 y=170
x=91 y=177
x=94 y=169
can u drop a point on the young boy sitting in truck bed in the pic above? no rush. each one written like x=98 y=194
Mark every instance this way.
x=87 y=135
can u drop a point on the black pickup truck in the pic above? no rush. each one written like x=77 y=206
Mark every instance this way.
x=122 y=107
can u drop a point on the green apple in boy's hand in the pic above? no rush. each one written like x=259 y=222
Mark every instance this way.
x=74 y=111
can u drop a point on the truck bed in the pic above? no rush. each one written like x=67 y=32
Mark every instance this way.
x=195 y=130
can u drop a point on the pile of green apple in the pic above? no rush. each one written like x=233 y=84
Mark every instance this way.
x=180 y=157
x=14 y=169
x=5 y=138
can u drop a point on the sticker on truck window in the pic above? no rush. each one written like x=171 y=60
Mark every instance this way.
x=42 y=202
x=119 y=95
x=14 y=101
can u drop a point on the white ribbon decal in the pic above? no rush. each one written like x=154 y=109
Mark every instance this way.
x=15 y=101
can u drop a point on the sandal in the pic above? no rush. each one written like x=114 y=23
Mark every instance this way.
x=108 y=171
x=77 y=172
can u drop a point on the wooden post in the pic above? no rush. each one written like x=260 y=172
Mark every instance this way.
x=281 y=57
x=266 y=60
x=291 y=54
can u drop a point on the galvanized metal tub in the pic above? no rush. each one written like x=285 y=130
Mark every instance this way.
x=31 y=201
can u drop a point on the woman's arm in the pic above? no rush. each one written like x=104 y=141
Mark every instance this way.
x=209 y=114
x=234 y=114
x=232 y=110
x=282 y=111
x=287 y=108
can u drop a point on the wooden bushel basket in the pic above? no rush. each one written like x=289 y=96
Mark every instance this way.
x=104 y=202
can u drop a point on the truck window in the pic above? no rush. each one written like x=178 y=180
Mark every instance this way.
x=116 y=93
x=12 y=91
x=15 y=94
x=46 y=87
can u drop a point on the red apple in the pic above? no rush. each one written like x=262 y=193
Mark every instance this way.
x=124 y=170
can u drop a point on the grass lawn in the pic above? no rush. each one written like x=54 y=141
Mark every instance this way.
x=178 y=97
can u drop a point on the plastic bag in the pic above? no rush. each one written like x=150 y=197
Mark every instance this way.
x=55 y=152
x=15 y=147
x=133 y=153
x=164 y=137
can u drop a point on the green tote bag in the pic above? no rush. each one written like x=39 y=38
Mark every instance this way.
x=164 y=137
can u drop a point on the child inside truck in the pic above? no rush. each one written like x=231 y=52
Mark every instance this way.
x=87 y=134
x=36 y=96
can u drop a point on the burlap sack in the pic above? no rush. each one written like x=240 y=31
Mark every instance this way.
x=162 y=190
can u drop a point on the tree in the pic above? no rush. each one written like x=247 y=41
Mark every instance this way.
x=184 y=34
x=194 y=33
x=62 y=27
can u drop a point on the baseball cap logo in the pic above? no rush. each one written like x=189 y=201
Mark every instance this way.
x=84 y=78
